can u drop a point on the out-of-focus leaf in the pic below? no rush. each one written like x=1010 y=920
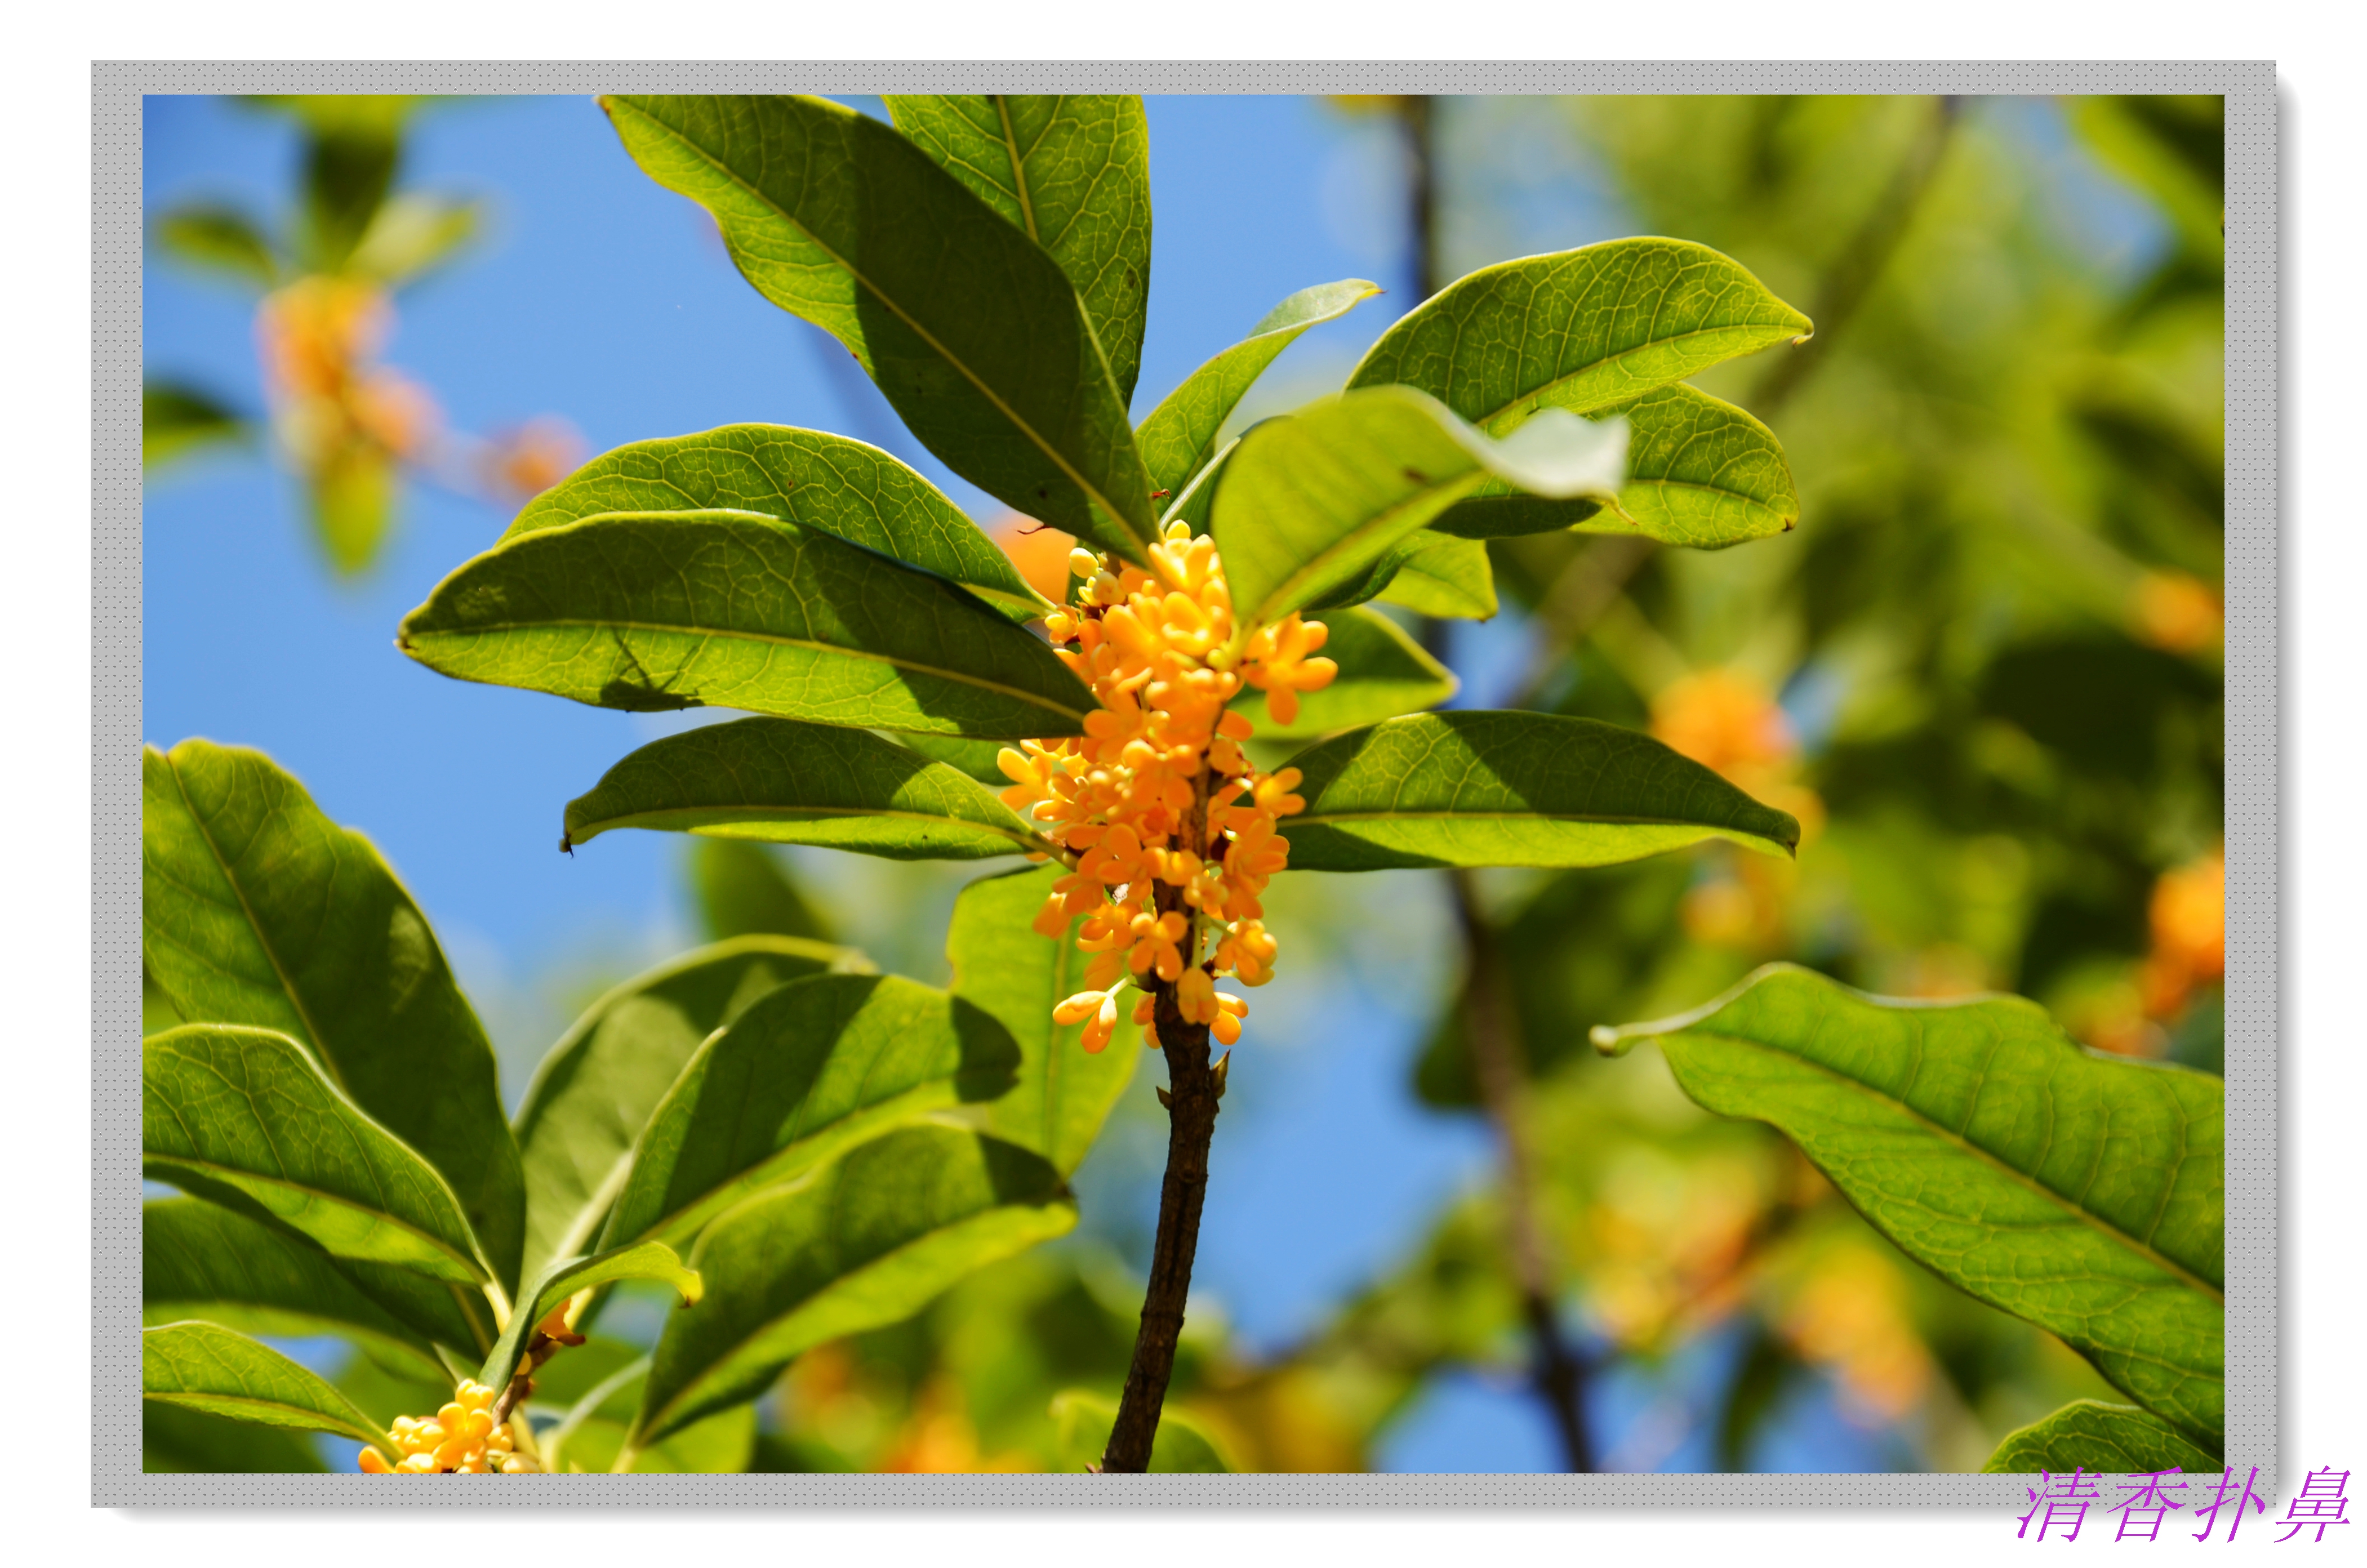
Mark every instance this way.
x=1063 y=1093
x=594 y=1090
x=1182 y=1446
x=1308 y=503
x=246 y=1108
x=219 y=239
x=351 y=497
x=720 y=1445
x=971 y=328
x=176 y=419
x=256 y=909
x=413 y=234
x=1179 y=437
x=1473 y=788
x=562 y=1279
x=806 y=477
x=2081 y=1192
x=349 y=164
x=743 y=889
x=177 y=1442
x=206 y=1368
x=652 y=612
x=1073 y=171
x=787 y=782
x=807 y=1070
x=1383 y=673
x=865 y=1241
x=2101 y=1439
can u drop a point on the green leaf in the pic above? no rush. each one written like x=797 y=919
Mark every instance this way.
x=1581 y=329
x=247 y=1109
x=652 y=612
x=720 y=1445
x=972 y=331
x=2078 y=1191
x=807 y=1071
x=174 y=1441
x=975 y=758
x=563 y=1278
x=1179 y=437
x=787 y=782
x=594 y=1090
x=413 y=234
x=206 y=1368
x=743 y=889
x=1430 y=573
x=1063 y=1094
x=1084 y=1420
x=349 y=164
x=256 y=909
x=1701 y=473
x=351 y=501
x=863 y=1242
x=199 y=1261
x=2102 y=1439
x=1073 y=171
x=1473 y=788
x=1309 y=502
x=176 y=420
x=1383 y=673
x=842 y=487
x=219 y=239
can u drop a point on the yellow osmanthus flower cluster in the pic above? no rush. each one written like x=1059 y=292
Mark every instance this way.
x=1157 y=794
x=320 y=338
x=460 y=1439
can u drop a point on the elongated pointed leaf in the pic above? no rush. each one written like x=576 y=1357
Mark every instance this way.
x=806 y=477
x=865 y=1241
x=2079 y=1191
x=1700 y=473
x=176 y=419
x=720 y=1445
x=977 y=759
x=972 y=331
x=1432 y=573
x=807 y=1071
x=198 y=1261
x=1309 y=502
x=1072 y=170
x=248 y=1109
x=2101 y=1439
x=1383 y=673
x=1063 y=1094
x=257 y=909
x=594 y=1090
x=1179 y=437
x=1579 y=329
x=414 y=233
x=563 y=1278
x=787 y=782
x=743 y=889
x=653 y=612
x=174 y=1441
x=1477 y=788
x=206 y=1368
x=1182 y=1447
x=220 y=240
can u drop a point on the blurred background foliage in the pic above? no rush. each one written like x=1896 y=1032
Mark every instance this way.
x=1985 y=673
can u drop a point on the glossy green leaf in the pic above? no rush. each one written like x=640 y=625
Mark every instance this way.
x=176 y=419
x=593 y=1091
x=1179 y=437
x=219 y=239
x=865 y=1241
x=203 y=1261
x=650 y=611
x=414 y=233
x=1072 y=170
x=787 y=782
x=1084 y=1420
x=743 y=889
x=1700 y=473
x=807 y=1070
x=975 y=758
x=1430 y=573
x=1580 y=330
x=247 y=1108
x=1309 y=502
x=256 y=909
x=174 y=1441
x=563 y=1278
x=1474 y=788
x=818 y=481
x=1383 y=673
x=971 y=328
x=206 y=1368
x=2079 y=1191
x=2101 y=1439
x=1063 y=1093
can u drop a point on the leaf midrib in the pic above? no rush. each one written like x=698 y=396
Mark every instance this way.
x=1542 y=387
x=1331 y=819
x=233 y=1175
x=314 y=1419
x=759 y=813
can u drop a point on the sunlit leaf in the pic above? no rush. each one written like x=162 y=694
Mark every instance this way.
x=351 y=496
x=1383 y=673
x=413 y=234
x=206 y=1368
x=563 y=1278
x=2079 y=1191
x=1430 y=573
x=1084 y=1420
x=2101 y=1439
x=1474 y=788
x=975 y=758
x=218 y=239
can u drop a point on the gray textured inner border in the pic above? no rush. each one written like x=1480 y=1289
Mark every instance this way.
x=2251 y=739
